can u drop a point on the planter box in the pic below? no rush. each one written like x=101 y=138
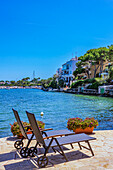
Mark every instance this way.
x=87 y=130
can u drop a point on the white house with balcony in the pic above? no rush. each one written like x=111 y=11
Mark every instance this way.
x=67 y=70
x=58 y=74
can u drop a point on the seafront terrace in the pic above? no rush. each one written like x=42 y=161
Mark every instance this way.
x=102 y=160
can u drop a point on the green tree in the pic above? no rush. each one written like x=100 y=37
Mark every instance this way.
x=20 y=83
x=53 y=84
x=35 y=80
x=61 y=83
x=79 y=69
x=26 y=79
x=111 y=73
x=95 y=57
x=110 y=53
x=12 y=82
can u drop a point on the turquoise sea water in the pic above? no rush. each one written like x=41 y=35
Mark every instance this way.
x=57 y=108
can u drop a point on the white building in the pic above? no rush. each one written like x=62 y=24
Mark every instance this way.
x=67 y=70
x=59 y=72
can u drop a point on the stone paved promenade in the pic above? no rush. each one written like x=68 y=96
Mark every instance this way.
x=78 y=159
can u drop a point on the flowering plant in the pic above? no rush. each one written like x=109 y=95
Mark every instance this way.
x=74 y=123
x=16 y=130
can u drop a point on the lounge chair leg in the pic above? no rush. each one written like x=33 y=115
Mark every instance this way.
x=39 y=145
x=22 y=139
x=15 y=155
x=72 y=146
x=46 y=149
x=90 y=148
x=79 y=146
x=61 y=150
x=29 y=141
x=53 y=149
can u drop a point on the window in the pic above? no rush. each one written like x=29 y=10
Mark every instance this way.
x=67 y=67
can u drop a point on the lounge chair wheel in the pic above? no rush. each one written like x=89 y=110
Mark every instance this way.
x=24 y=152
x=31 y=151
x=42 y=161
x=18 y=144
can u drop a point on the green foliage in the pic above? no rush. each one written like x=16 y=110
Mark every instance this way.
x=111 y=73
x=35 y=80
x=82 y=82
x=99 y=79
x=64 y=85
x=26 y=79
x=61 y=83
x=95 y=57
x=46 y=82
x=77 y=83
x=94 y=85
x=110 y=53
x=79 y=70
x=41 y=124
x=53 y=84
x=90 y=80
x=74 y=123
x=16 y=130
x=12 y=82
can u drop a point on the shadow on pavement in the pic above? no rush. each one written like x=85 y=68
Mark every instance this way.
x=12 y=138
x=31 y=163
x=8 y=156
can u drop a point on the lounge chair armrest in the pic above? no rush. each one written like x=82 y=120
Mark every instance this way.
x=27 y=126
x=45 y=129
x=29 y=131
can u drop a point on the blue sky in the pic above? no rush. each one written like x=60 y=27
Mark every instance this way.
x=41 y=35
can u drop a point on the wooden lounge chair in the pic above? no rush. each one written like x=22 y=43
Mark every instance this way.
x=47 y=133
x=24 y=151
x=56 y=141
x=19 y=143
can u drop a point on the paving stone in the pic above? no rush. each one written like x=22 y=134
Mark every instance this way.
x=78 y=159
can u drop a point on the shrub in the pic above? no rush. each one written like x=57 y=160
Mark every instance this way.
x=16 y=130
x=61 y=83
x=90 y=80
x=74 y=123
x=76 y=84
x=53 y=84
x=94 y=85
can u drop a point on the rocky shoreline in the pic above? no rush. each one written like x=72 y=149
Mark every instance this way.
x=80 y=160
x=93 y=92
x=20 y=87
x=84 y=92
